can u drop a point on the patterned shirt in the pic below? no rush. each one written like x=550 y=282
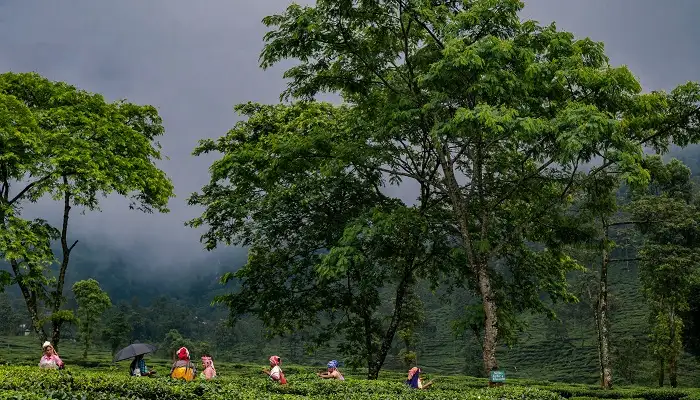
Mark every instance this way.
x=142 y=366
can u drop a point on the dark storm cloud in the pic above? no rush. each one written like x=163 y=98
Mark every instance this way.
x=195 y=59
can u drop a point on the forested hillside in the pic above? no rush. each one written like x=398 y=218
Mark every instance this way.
x=180 y=298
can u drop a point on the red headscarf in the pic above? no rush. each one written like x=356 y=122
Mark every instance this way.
x=183 y=354
x=275 y=360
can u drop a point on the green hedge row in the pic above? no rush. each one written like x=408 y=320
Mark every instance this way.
x=245 y=382
x=576 y=392
x=30 y=383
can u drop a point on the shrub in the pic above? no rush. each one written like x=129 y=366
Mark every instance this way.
x=30 y=383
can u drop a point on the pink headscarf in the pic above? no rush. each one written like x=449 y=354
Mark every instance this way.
x=412 y=372
x=275 y=360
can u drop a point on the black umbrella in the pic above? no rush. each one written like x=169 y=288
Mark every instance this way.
x=134 y=350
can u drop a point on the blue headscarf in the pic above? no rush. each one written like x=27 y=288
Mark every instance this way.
x=333 y=364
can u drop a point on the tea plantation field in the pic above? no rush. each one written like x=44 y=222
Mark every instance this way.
x=246 y=382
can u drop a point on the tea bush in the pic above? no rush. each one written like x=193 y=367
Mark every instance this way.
x=29 y=383
x=246 y=382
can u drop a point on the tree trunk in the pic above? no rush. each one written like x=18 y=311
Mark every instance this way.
x=30 y=297
x=31 y=301
x=661 y=372
x=57 y=323
x=56 y=333
x=490 y=320
x=85 y=349
x=673 y=356
x=396 y=319
x=596 y=313
x=372 y=371
x=460 y=205
x=673 y=371
x=477 y=261
x=604 y=325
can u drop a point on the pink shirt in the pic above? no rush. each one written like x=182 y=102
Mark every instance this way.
x=209 y=372
x=275 y=373
x=52 y=361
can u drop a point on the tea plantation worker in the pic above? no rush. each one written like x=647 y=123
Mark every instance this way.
x=209 y=371
x=332 y=371
x=138 y=367
x=50 y=359
x=275 y=373
x=183 y=367
x=414 y=379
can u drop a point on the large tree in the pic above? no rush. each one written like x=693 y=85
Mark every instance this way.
x=495 y=115
x=330 y=254
x=75 y=147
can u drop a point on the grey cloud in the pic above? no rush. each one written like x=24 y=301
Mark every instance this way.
x=655 y=39
x=195 y=59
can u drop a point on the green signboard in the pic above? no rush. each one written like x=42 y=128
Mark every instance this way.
x=497 y=376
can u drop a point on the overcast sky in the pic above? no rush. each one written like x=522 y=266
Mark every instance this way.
x=195 y=59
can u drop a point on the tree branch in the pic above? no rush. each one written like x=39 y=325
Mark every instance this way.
x=28 y=188
x=516 y=186
x=5 y=190
x=622 y=223
x=668 y=128
x=624 y=259
x=407 y=175
x=571 y=180
x=422 y=24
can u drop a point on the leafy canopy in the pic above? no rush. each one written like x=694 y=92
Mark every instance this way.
x=497 y=117
x=327 y=247
x=68 y=144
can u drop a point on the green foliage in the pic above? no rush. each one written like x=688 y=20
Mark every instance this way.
x=327 y=247
x=667 y=215
x=70 y=145
x=30 y=383
x=92 y=303
x=117 y=331
x=173 y=341
x=101 y=147
x=9 y=318
x=493 y=116
x=245 y=382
